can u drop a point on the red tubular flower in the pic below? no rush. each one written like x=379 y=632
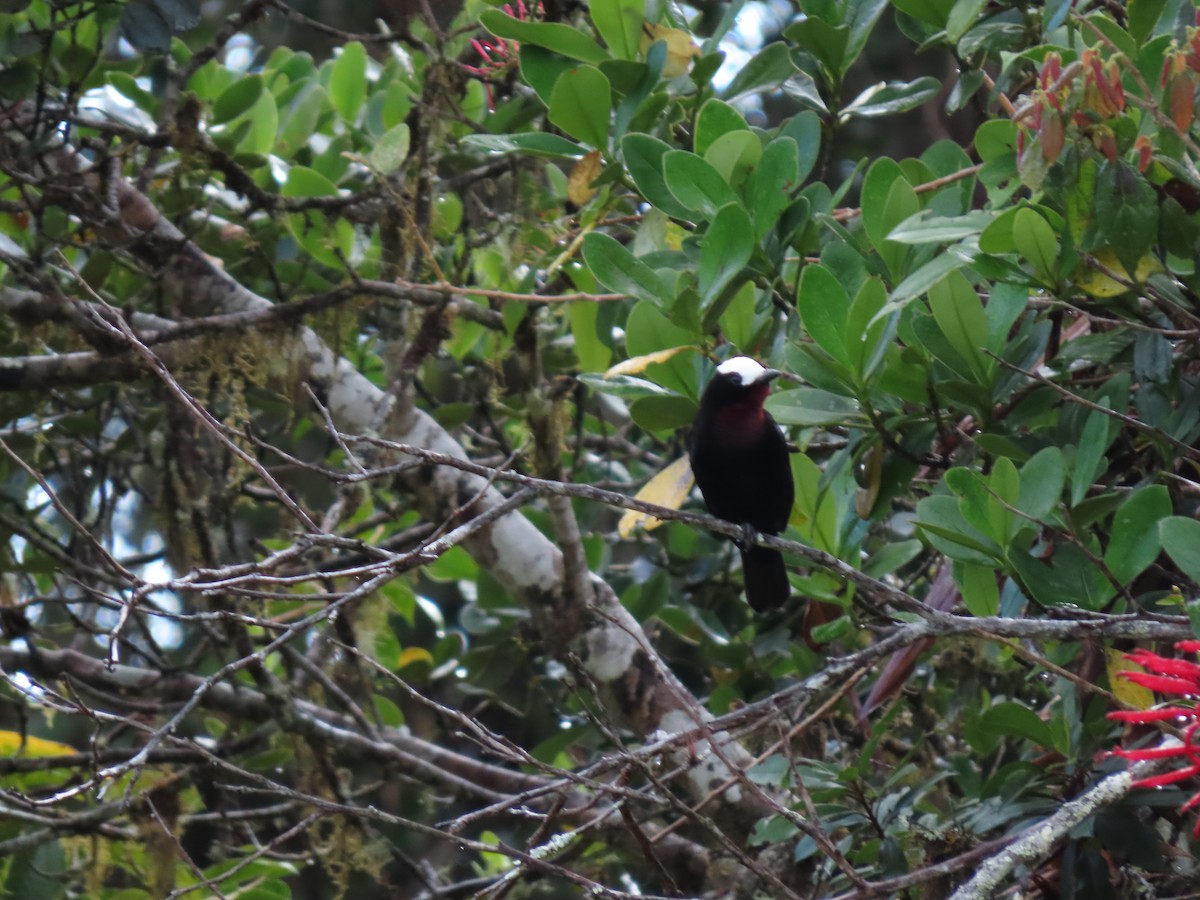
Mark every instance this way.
x=1181 y=678
x=495 y=53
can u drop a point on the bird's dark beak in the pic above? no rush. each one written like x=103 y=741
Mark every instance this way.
x=770 y=374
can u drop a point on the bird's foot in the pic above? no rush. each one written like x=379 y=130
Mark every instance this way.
x=749 y=536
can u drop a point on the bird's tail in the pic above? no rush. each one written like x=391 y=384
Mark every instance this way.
x=766 y=578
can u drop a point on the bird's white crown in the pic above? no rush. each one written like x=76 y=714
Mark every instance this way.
x=747 y=370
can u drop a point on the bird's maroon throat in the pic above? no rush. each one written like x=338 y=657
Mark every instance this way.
x=743 y=421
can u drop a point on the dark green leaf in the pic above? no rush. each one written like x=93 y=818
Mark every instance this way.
x=812 y=406
x=1181 y=539
x=825 y=41
x=562 y=39
x=145 y=27
x=1135 y=541
x=1042 y=480
x=892 y=98
x=619 y=270
x=766 y=71
x=823 y=306
x=548 y=146
x=1013 y=719
x=663 y=413
x=237 y=99
x=643 y=157
x=770 y=188
x=1126 y=212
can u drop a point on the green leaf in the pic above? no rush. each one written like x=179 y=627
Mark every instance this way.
x=887 y=200
x=826 y=42
x=348 y=81
x=305 y=182
x=620 y=24
x=975 y=502
x=643 y=156
x=1042 y=480
x=663 y=413
x=920 y=281
x=724 y=250
x=866 y=332
x=823 y=305
x=926 y=229
x=941 y=522
x=540 y=144
x=978 y=587
x=767 y=70
x=299 y=120
x=1126 y=212
x=695 y=183
x=562 y=39
x=813 y=406
x=805 y=129
x=891 y=98
x=737 y=321
x=715 y=119
x=890 y=557
x=627 y=387
x=263 y=119
x=1143 y=16
x=1004 y=486
x=145 y=27
x=1181 y=539
x=958 y=312
x=237 y=99
x=593 y=353
x=1013 y=719
x=540 y=68
x=647 y=331
x=1093 y=441
x=580 y=105
x=1035 y=240
x=735 y=155
x=861 y=16
x=619 y=270
x=1067 y=578
x=391 y=150
x=963 y=16
x=769 y=189
x=1135 y=541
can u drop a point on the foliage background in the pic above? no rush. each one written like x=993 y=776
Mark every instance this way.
x=337 y=343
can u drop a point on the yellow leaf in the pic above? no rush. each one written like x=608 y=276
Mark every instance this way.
x=414 y=655
x=11 y=745
x=1126 y=691
x=680 y=49
x=637 y=364
x=579 y=183
x=1096 y=283
x=668 y=488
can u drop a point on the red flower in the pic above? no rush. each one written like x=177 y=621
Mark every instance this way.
x=495 y=53
x=1181 y=678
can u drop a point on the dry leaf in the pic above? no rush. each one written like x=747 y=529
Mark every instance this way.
x=579 y=183
x=680 y=49
x=635 y=365
x=668 y=488
x=1135 y=695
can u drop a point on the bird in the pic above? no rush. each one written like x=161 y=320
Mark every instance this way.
x=740 y=460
